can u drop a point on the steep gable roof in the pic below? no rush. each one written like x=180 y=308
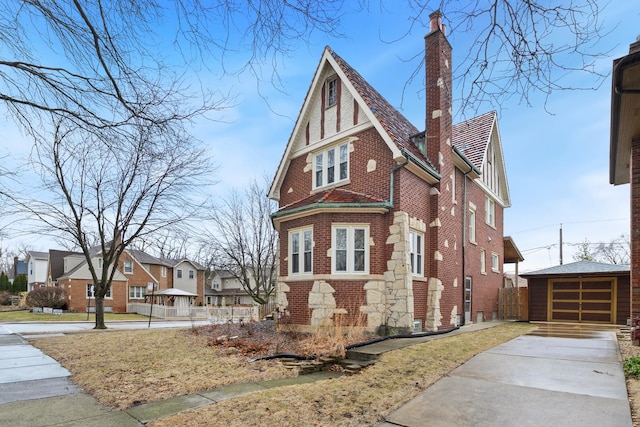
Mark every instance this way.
x=393 y=127
x=472 y=139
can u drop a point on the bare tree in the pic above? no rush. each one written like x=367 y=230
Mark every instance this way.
x=584 y=252
x=518 y=48
x=106 y=90
x=103 y=195
x=247 y=241
x=617 y=251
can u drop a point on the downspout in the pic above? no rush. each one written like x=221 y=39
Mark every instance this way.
x=464 y=240
x=391 y=183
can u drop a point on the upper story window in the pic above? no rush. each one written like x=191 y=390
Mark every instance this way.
x=331 y=166
x=179 y=273
x=191 y=274
x=350 y=249
x=483 y=261
x=163 y=271
x=472 y=223
x=301 y=251
x=332 y=91
x=416 y=243
x=128 y=267
x=490 y=211
x=99 y=263
x=495 y=262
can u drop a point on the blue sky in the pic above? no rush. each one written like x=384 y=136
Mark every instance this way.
x=557 y=164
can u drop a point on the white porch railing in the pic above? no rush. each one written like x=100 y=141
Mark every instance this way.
x=213 y=314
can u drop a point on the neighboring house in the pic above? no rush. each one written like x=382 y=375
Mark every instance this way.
x=382 y=224
x=135 y=272
x=225 y=289
x=188 y=276
x=624 y=151
x=19 y=267
x=37 y=265
x=583 y=291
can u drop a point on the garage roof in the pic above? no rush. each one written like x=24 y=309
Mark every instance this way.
x=580 y=267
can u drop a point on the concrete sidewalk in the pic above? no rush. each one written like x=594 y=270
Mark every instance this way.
x=562 y=375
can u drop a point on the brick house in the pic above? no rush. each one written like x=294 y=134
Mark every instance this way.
x=624 y=154
x=136 y=269
x=382 y=224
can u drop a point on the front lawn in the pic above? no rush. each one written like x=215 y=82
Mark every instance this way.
x=125 y=368
x=28 y=316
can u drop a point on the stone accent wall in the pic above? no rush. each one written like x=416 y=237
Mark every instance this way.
x=323 y=304
x=399 y=290
x=376 y=307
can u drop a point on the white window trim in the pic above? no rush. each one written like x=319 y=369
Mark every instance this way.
x=328 y=97
x=179 y=274
x=300 y=232
x=163 y=271
x=107 y=296
x=350 y=249
x=325 y=167
x=192 y=275
x=495 y=268
x=472 y=224
x=490 y=211
x=413 y=235
x=483 y=261
x=124 y=267
x=143 y=290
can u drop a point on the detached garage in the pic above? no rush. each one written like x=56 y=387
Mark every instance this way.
x=580 y=292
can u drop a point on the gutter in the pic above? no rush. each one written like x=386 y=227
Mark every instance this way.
x=467 y=161
x=381 y=205
x=422 y=165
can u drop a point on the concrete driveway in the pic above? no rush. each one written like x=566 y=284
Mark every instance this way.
x=559 y=375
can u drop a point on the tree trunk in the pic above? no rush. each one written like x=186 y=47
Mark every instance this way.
x=100 y=313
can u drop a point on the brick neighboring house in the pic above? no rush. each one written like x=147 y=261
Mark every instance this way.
x=624 y=151
x=380 y=223
x=135 y=270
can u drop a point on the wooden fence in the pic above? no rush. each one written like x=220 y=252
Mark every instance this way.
x=513 y=304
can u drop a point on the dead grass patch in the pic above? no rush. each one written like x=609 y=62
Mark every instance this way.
x=126 y=368
x=363 y=399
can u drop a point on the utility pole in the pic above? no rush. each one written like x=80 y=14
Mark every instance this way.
x=560 y=243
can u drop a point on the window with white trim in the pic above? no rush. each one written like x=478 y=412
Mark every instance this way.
x=416 y=244
x=192 y=274
x=163 y=271
x=472 y=223
x=128 y=267
x=179 y=273
x=350 y=249
x=331 y=166
x=495 y=262
x=483 y=261
x=332 y=92
x=301 y=251
x=91 y=293
x=490 y=211
x=137 y=292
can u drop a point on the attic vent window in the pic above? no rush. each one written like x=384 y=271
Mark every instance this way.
x=420 y=142
x=332 y=91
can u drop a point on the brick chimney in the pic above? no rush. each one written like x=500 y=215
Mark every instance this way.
x=444 y=271
x=438 y=90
